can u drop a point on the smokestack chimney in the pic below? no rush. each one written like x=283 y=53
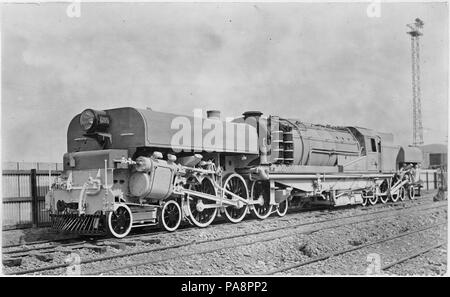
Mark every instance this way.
x=255 y=114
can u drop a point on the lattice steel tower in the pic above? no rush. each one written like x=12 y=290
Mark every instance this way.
x=415 y=54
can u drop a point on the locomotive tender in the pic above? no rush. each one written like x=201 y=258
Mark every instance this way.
x=128 y=168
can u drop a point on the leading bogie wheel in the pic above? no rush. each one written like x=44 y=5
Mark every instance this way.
x=200 y=215
x=282 y=208
x=260 y=191
x=373 y=199
x=170 y=215
x=236 y=184
x=412 y=193
x=365 y=201
x=119 y=221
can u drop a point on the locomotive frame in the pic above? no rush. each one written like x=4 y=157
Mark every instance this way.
x=116 y=177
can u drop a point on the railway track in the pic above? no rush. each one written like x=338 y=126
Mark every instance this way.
x=393 y=212
x=345 y=251
x=26 y=249
x=251 y=242
x=412 y=256
x=67 y=242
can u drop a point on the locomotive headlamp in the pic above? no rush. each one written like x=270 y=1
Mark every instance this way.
x=91 y=120
x=87 y=119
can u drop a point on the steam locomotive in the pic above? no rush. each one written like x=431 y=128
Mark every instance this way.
x=127 y=168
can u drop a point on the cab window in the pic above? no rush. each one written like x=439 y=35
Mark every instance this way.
x=373 y=145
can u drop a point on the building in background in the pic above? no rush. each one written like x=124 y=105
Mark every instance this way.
x=434 y=156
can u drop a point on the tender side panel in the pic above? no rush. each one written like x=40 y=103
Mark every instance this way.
x=409 y=154
x=131 y=128
x=389 y=156
x=187 y=133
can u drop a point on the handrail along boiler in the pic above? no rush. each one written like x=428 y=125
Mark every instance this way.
x=123 y=169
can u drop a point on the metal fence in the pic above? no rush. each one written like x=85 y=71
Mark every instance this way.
x=24 y=198
x=430 y=179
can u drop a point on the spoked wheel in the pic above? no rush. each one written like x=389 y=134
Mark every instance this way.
x=402 y=193
x=365 y=201
x=373 y=199
x=282 y=208
x=200 y=215
x=394 y=197
x=366 y=196
x=170 y=215
x=384 y=198
x=119 y=221
x=235 y=184
x=412 y=193
x=261 y=190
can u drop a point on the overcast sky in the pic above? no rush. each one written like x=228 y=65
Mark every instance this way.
x=321 y=63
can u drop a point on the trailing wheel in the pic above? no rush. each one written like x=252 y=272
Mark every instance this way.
x=260 y=191
x=402 y=193
x=200 y=215
x=373 y=199
x=170 y=215
x=235 y=184
x=119 y=221
x=412 y=192
x=282 y=208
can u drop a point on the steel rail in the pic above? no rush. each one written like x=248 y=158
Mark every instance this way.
x=153 y=261
x=36 y=242
x=333 y=254
x=131 y=236
x=64 y=265
x=24 y=251
x=184 y=229
x=426 y=250
x=57 y=266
